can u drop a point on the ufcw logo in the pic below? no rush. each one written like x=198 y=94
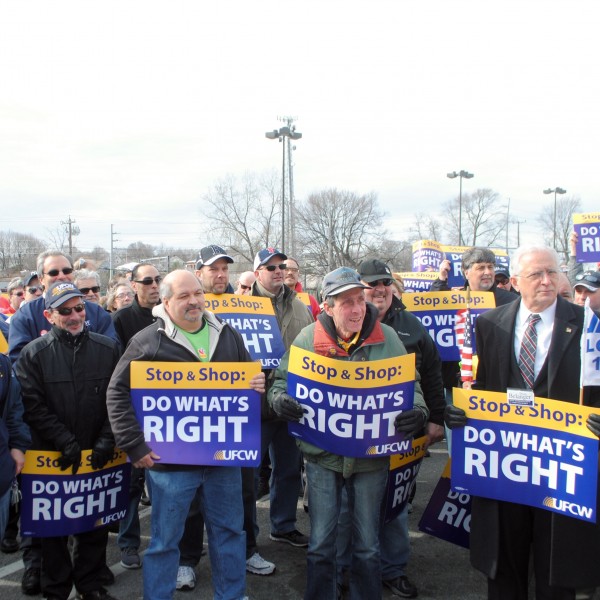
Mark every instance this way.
x=236 y=455
x=594 y=325
x=106 y=519
x=394 y=448
x=568 y=507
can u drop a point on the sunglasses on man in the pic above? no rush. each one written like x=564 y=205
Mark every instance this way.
x=149 y=280
x=65 y=312
x=55 y=272
x=87 y=290
x=272 y=268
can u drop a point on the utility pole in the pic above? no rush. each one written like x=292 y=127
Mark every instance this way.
x=69 y=224
x=507 y=222
x=113 y=239
x=519 y=231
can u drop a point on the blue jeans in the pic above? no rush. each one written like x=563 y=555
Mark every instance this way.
x=221 y=503
x=286 y=480
x=394 y=543
x=365 y=495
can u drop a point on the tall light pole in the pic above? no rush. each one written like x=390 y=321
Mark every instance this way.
x=466 y=175
x=285 y=135
x=556 y=190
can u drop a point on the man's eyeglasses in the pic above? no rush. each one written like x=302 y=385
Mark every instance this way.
x=55 y=272
x=65 y=312
x=86 y=291
x=386 y=282
x=502 y=280
x=272 y=268
x=588 y=276
x=123 y=295
x=18 y=294
x=34 y=289
x=292 y=269
x=538 y=275
x=149 y=280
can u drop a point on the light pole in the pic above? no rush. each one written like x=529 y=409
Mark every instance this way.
x=466 y=175
x=285 y=135
x=556 y=190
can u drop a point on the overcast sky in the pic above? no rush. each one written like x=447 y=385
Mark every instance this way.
x=126 y=113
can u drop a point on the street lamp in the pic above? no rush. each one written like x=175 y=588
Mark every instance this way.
x=289 y=132
x=556 y=190
x=466 y=175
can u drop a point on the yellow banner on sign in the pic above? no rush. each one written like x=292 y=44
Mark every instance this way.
x=368 y=374
x=42 y=462
x=233 y=303
x=192 y=375
x=3 y=344
x=416 y=452
x=453 y=300
x=580 y=218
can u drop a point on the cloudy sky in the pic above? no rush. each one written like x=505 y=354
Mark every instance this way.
x=126 y=113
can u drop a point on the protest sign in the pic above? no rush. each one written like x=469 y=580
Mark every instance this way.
x=454 y=255
x=254 y=318
x=590 y=348
x=438 y=313
x=427 y=255
x=448 y=513
x=3 y=344
x=198 y=413
x=417 y=282
x=587 y=227
x=350 y=407
x=57 y=502
x=404 y=468
x=540 y=455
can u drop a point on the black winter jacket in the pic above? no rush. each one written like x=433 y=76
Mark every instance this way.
x=63 y=380
x=131 y=319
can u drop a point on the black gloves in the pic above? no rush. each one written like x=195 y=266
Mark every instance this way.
x=593 y=424
x=71 y=455
x=454 y=417
x=101 y=453
x=286 y=407
x=410 y=422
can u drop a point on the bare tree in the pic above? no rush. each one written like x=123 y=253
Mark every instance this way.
x=426 y=227
x=338 y=228
x=245 y=214
x=483 y=218
x=18 y=251
x=565 y=209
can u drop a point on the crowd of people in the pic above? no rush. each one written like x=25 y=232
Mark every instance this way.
x=65 y=386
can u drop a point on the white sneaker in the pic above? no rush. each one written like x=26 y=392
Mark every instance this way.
x=258 y=565
x=186 y=579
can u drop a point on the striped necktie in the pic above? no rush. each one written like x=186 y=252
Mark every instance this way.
x=528 y=348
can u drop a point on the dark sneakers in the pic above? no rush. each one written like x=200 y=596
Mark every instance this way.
x=9 y=545
x=401 y=586
x=31 y=584
x=293 y=538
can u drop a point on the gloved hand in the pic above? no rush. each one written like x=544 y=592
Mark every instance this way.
x=410 y=421
x=593 y=424
x=286 y=407
x=454 y=417
x=71 y=455
x=101 y=453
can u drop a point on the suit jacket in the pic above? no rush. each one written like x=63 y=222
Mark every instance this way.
x=575 y=543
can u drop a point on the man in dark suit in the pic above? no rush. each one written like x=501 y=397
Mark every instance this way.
x=565 y=550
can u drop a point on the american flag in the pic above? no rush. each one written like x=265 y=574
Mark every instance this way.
x=464 y=337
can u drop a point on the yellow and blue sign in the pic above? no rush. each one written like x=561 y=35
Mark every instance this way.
x=57 y=502
x=198 y=413
x=404 y=468
x=254 y=318
x=437 y=312
x=350 y=407
x=417 y=282
x=540 y=455
x=587 y=227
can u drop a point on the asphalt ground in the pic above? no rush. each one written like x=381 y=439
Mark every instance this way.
x=440 y=570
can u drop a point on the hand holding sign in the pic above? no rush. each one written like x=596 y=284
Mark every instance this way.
x=410 y=422
x=593 y=424
x=101 y=453
x=257 y=383
x=71 y=455
x=454 y=417
x=287 y=408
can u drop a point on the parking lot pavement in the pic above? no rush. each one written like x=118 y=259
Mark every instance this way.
x=440 y=570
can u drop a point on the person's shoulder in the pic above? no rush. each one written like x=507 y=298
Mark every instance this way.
x=121 y=314
x=503 y=297
x=103 y=340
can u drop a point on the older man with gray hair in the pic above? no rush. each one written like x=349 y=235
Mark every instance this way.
x=88 y=283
